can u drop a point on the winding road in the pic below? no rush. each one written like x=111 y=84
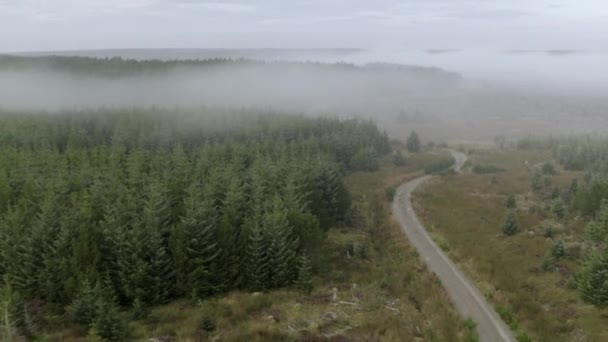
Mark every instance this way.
x=467 y=299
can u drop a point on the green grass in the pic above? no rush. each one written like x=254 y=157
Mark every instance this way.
x=468 y=211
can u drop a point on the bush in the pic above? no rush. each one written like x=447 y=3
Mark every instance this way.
x=365 y=160
x=548 y=231
x=390 y=193
x=592 y=280
x=511 y=202
x=208 y=325
x=523 y=337
x=398 y=159
x=413 y=143
x=109 y=323
x=557 y=249
x=548 y=169
x=510 y=227
x=257 y=303
x=439 y=165
x=485 y=169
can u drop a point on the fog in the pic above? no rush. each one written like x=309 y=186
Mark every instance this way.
x=512 y=93
x=570 y=71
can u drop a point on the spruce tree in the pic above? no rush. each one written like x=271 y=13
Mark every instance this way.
x=511 y=202
x=281 y=245
x=200 y=246
x=510 y=227
x=592 y=279
x=304 y=279
x=413 y=143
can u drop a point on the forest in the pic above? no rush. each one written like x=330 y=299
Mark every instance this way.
x=105 y=211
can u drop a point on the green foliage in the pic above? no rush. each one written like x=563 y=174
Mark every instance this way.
x=487 y=169
x=304 y=278
x=510 y=226
x=399 y=159
x=366 y=159
x=389 y=193
x=558 y=249
x=413 y=143
x=109 y=324
x=439 y=165
x=11 y=313
x=596 y=231
x=558 y=208
x=536 y=182
x=548 y=231
x=470 y=331
x=523 y=337
x=548 y=169
x=106 y=211
x=511 y=202
x=592 y=278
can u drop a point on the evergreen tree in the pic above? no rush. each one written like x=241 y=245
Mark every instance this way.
x=413 y=143
x=281 y=245
x=510 y=227
x=11 y=316
x=399 y=159
x=592 y=279
x=258 y=266
x=558 y=249
x=200 y=247
x=304 y=279
x=510 y=202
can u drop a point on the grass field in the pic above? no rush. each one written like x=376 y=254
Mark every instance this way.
x=465 y=214
x=383 y=291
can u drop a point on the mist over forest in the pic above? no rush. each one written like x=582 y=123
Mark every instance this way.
x=472 y=103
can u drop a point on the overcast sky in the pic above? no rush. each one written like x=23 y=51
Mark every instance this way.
x=34 y=25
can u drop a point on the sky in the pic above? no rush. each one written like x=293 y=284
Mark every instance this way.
x=42 y=25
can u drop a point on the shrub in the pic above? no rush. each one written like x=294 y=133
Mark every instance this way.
x=439 y=165
x=413 y=143
x=558 y=208
x=592 y=280
x=548 y=231
x=208 y=325
x=511 y=202
x=390 y=193
x=557 y=249
x=523 y=337
x=548 y=169
x=511 y=226
x=398 y=159
x=109 y=323
x=365 y=160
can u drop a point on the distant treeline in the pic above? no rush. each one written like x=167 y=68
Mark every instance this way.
x=116 y=66
x=105 y=210
x=580 y=153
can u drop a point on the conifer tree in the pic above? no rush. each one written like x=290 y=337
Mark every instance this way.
x=200 y=247
x=510 y=227
x=413 y=143
x=304 y=279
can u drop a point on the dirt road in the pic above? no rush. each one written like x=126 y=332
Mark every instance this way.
x=466 y=297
